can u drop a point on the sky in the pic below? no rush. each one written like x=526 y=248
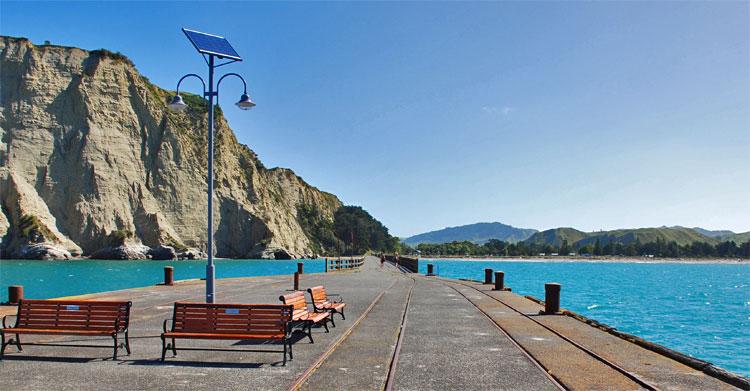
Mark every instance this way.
x=593 y=115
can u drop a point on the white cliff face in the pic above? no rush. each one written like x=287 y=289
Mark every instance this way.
x=88 y=147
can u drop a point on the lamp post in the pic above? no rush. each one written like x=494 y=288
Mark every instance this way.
x=212 y=48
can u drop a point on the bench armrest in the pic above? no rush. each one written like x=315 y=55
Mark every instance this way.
x=5 y=326
x=164 y=325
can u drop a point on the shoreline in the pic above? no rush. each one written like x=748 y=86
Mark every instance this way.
x=593 y=259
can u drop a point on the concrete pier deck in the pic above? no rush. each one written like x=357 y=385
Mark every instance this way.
x=402 y=332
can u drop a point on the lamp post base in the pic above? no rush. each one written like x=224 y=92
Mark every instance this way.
x=210 y=278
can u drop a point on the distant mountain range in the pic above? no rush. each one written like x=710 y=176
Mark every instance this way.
x=476 y=233
x=482 y=232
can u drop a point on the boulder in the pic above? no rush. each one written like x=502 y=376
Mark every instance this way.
x=44 y=251
x=191 y=253
x=125 y=251
x=161 y=253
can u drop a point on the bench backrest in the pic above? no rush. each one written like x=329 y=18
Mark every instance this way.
x=297 y=301
x=74 y=314
x=318 y=294
x=231 y=318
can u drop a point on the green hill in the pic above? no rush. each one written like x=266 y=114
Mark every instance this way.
x=556 y=236
x=476 y=233
x=712 y=234
x=680 y=235
x=738 y=238
x=576 y=238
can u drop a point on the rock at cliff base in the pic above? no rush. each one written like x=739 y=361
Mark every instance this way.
x=42 y=251
x=191 y=253
x=126 y=251
x=162 y=253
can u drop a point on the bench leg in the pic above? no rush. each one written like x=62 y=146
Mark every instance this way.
x=325 y=323
x=2 y=350
x=18 y=343
x=127 y=342
x=174 y=348
x=342 y=314
x=114 y=338
x=163 y=347
x=331 y=318
x=284 y=361
x=291 y=357
x=309 y=331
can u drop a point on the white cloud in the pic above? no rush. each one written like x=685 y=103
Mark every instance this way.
x=498 y=110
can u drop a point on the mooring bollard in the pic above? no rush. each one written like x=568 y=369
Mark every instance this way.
x=15 y=294
x=488 y=276
x=326 y=265
x=552 y=298
x=300 y=268
x=499 y=281
x=430 y=269
x=296 y=281
x=168 y=275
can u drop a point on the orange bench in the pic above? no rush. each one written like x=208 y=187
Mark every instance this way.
x=69 y=317
x=321 y=302
x=265 y=322
x=302 y=315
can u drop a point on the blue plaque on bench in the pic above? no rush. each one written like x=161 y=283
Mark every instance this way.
x=233 y=311
x=72 y=307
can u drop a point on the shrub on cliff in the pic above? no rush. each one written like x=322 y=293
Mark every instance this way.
x=33 y=230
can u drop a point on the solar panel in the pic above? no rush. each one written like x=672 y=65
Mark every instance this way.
x=212 y=44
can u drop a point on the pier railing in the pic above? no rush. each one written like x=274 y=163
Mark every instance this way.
x=336 y=264
x=409 y=263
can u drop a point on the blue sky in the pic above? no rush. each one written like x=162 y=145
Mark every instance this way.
x=591 y=115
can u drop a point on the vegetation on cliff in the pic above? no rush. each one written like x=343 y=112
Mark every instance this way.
x=352 y=231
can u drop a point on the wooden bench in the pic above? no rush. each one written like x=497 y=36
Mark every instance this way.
x=264 y=322
x=321 y=302
x=69 y=317
x=301 y=314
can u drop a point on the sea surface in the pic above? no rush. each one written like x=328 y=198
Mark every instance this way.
x=49 y=279
x=701 y=309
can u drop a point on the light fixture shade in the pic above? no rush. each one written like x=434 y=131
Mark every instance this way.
x=177 y=104
x=245 y=102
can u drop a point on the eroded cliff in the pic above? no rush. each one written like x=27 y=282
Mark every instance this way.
x=88 y=150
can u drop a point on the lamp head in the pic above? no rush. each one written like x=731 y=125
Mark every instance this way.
x=245 y=102
x=177 y=104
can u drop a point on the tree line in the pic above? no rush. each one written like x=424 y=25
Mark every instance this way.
x=352 y=231
x=660 y=248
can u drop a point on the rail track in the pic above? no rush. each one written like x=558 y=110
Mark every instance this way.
x=635 y=378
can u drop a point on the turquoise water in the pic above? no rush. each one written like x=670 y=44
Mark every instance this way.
x=699 y=309
x=44 y=279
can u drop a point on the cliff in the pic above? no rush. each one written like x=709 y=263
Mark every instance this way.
x=89 y=153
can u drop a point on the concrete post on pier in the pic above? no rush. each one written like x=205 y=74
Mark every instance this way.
x=488 y=276
x=552 y=298
x=168 y=275
x=15 y=294
x=499 y=281
x=430 y=269
x=300 y=268
x=296 y=281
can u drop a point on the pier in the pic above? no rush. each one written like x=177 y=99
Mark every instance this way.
x=403 y=331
